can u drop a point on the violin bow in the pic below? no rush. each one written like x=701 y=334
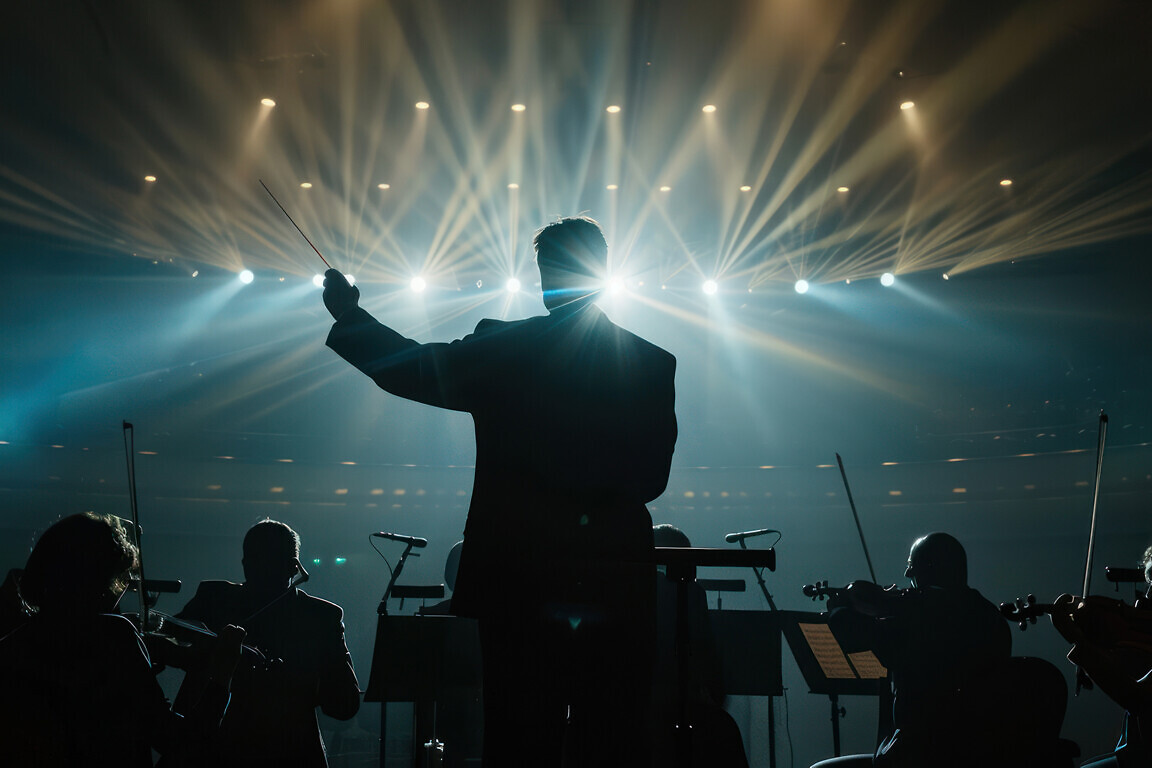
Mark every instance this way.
x=130 y=459
x=1103 y=432
x=856 y=517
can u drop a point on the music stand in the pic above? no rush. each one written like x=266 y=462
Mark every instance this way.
x=826 y=668
x=419 y=659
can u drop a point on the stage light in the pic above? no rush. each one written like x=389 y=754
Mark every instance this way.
x=305 y=185
x=383 y=186
x=518 y=107
x=745 y=188
x=906 y=105
x=612 y=187
x=340 y=560
x=268 y=102
x=887 y=279
x=615 y=285
x=801 y=286
x=513 y=185
x=318 y=281
x=512 y=286
x=1005 y=182
x=665 y=188
x=149 y=178
x=418 y=284
x=246 y=276
x=709 y=108
x=841 y=190
x=945 y=276
x=709 y=287
x=613 y=109
x=422 y=105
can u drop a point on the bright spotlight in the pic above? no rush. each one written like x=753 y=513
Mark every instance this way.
x=665 y=188
x=613 y=109
x=841 y=190
x=612 y=187
x=518 y=107
x=512 y=286
x=907 y=105
x=351 y=279
x=745 y=188
x=615 y=286
x=418 y=284
x=709 y=108
x=305 y=185
x=513 y=185
x=801 y=286
x=383 y=186
x=268 y=102
x=709 y=287
x=422 y=105
x=149 y=178
x=887 y=279
x=318 y=281
x=945 y=276
x=246 y=276
x=1005 y=182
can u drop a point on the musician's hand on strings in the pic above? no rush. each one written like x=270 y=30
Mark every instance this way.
x=225 y=654
x=339 y=296
x=1063 y=609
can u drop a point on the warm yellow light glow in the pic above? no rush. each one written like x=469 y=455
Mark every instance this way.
x=1005 y=182
x=907 y=105
x=612 y=187
x=665 y=188
x=383 y=186
x=422 y=105
x=149 y=179
x=513 y=185
x=709 y=108
x=841 y=190
x=518 y=107
x=305 y=185
x=613 y=109
x=268 y=102
x=745 y=188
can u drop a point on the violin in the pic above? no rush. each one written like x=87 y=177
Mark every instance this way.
x=864 y=596
x=1104 y=620
x=192 y=643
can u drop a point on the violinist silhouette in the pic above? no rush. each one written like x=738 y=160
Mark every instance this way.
x=77 y=681
x=575 y=428
x=934 y=638
x=1112 y=644
x=271 y=720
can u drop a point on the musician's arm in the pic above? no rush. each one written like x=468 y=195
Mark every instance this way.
x=339 y=691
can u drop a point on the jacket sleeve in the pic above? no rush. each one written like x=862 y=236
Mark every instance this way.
x=435 y=374
x=339 y=692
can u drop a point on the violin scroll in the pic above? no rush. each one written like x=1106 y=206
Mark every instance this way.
x=1025 y=611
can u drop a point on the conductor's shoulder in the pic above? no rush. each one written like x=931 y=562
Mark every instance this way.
x=489 y=326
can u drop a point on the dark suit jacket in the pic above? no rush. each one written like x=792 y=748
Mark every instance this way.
x=575 y=428
x=271 y=719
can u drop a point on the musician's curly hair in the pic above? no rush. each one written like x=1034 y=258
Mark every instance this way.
x=77 y=561
x=1145 y=560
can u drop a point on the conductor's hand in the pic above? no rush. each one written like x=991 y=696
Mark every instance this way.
x=339 y=296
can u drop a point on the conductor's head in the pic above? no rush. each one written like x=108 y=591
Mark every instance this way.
x=271 y=552
x=937 y=560
x=573 y=257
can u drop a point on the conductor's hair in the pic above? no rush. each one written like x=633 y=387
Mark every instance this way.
x=575 y=244
x=76 y=561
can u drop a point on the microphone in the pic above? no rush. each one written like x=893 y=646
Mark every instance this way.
x=733 y=538
x=414 y=541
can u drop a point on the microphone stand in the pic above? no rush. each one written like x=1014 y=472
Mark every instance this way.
x=760 y=580
x=382 y=609
x=771 y=708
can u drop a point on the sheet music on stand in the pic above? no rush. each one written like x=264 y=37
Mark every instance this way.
x=826 y=667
